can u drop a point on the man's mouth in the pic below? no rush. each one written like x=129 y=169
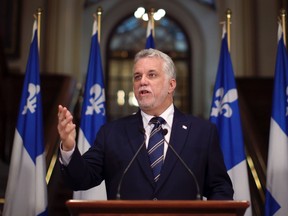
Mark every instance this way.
x=144 y=92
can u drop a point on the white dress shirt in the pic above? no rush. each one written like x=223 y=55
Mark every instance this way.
x=167 y=115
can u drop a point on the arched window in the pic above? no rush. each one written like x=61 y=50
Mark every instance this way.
x=128 y=38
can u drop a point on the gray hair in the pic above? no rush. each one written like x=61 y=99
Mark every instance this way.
x=168 y=64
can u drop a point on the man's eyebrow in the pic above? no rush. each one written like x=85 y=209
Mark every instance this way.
x=152 y=70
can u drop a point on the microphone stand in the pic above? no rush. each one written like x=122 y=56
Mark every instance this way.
x=198 y=196
x=118 y=196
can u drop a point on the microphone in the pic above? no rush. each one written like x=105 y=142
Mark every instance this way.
x=198 y=196
x=118 y=196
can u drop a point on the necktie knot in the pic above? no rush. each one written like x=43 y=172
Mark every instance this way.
x=157 y=121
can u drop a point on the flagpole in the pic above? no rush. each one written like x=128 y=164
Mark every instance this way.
x=99 y=14
x=39 y=13
x=228 y=23
x=151 y=17
x=283 y=22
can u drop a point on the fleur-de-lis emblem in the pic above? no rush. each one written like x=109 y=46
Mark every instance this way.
x=97 y=100
x=222 y=101
x=32 y=98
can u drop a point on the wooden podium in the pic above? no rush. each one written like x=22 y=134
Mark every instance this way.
x=156 y=208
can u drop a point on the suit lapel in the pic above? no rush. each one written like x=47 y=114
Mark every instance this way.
x=136 y=139
x=179 y=132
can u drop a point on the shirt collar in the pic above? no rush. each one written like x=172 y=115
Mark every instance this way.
x=167 y=115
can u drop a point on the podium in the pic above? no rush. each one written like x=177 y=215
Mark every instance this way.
x=156 y=208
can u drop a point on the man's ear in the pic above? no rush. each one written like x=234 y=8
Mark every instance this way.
x=172 y=85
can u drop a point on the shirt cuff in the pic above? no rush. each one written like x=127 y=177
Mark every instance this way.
x=65 y=156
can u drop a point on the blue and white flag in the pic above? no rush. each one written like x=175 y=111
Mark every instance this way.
x=225 y=114
x=149 y=36
x=276 y=202
x=26 y=192
x=93 y=114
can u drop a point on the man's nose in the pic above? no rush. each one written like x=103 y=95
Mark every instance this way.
x=143 y=80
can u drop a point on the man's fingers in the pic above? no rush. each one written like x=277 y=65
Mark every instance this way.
x=62 y=112
x=66 y=131
x=69 y=128
x=65 y=122
x=64 y=116
x=66 y=125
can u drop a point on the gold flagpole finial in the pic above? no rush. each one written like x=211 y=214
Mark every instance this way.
x=151 y=17
x=99 y=14
x=39 y=14
x=228 y=26
x=283 y=23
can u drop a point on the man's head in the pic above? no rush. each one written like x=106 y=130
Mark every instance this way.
x=154 y=78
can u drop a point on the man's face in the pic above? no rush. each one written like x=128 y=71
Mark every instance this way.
x=152 y=87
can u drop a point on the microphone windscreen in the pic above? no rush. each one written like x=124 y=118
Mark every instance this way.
x=164 y=132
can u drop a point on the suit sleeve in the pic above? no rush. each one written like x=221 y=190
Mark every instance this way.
x=218 y=185
x=85 y=172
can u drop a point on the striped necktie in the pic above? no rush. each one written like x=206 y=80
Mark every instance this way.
x=156 y=146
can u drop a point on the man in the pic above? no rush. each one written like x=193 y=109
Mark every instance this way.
x=169 y=177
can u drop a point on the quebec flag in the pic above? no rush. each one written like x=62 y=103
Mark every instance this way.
x=93 y=113
x=276 y=202
x=26 y=192
x=149 y=36
x=225 y=114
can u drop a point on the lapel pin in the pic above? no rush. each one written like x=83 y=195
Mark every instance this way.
x=184 y=127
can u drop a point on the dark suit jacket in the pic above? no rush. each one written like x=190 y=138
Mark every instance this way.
x=195 y=140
